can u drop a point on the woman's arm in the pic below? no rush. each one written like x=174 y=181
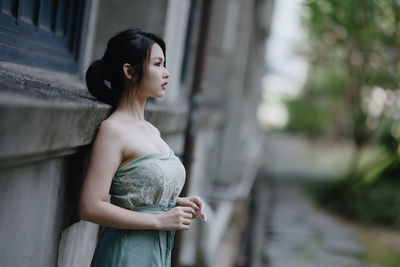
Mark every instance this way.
x=106 y=156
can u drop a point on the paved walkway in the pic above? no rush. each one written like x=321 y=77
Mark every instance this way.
x=300 y=235
x=291 y=231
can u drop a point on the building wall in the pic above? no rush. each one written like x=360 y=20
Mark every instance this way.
x=44 y=136
x=48 y=121
x=228 y=143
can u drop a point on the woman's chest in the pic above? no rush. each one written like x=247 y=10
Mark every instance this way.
x=154 y=177
x=148 y=141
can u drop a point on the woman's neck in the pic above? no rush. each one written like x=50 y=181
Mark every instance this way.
x=135 y=109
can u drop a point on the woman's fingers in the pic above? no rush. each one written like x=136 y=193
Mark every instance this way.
x=190 y=210
x=190 y=203
x=188 y=215
x=186 y=221
x=198 y=202
x=195 y=202
x=204 y=216
x=180 y=218
x=199 y=207
x=194 y=206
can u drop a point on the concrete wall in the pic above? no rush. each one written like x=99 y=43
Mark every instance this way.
x=48 y=121
x=229 y=143
x=45 y=128
x=115 y=16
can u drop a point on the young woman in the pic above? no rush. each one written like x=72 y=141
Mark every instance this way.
x=131 y=163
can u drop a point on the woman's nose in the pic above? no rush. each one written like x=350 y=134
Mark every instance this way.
x=166 y=73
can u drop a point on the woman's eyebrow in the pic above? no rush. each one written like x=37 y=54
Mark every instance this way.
x=160 y=58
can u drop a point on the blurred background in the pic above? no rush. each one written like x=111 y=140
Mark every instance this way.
x=285 y=113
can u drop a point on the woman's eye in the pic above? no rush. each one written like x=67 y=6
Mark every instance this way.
x=158 y=64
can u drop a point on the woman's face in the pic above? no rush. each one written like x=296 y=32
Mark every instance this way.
x=154 y=81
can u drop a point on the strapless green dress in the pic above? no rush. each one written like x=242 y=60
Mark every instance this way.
x=150 y=183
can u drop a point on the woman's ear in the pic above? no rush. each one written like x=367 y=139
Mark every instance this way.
x=128 y=71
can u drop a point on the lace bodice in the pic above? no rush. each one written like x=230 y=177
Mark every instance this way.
x=151 y=179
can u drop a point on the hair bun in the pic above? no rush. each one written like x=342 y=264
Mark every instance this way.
x=96 y=75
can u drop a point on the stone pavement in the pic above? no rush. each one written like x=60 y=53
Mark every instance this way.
x=288 y=230
x=300 y=235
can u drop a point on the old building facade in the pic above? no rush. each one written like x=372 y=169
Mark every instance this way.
x=48 y=119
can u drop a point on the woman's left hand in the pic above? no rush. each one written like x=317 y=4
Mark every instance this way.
x=196 y=203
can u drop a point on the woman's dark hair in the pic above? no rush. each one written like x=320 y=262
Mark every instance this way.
x=131 y=46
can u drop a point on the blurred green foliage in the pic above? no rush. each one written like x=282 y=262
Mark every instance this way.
x=315 y=112
x=371 y=203
x=378 y=251
x=353 y=47
x=352 y=91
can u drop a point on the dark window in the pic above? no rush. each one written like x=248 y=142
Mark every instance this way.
x=41 y=33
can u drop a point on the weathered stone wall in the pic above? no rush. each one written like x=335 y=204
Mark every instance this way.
x=48 y=121
x=45 y=130
x=115 y=16
x=228 y=142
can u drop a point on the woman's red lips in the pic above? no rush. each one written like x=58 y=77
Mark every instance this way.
x=164 y=84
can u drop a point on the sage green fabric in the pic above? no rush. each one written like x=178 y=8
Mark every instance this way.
x=150 y=183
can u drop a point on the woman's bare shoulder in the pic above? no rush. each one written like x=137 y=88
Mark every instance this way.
x=121 y=129
x=153 y=128
x=111 y=128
